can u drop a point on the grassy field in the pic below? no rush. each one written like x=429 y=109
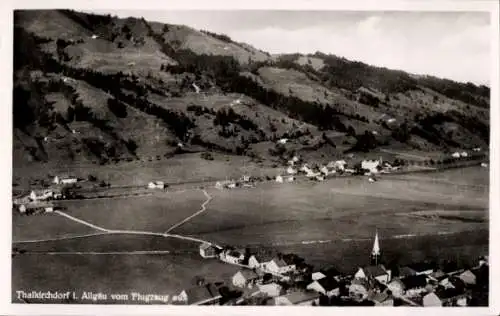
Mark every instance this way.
x=112 y=243
x=45 y=226
x=148 y=274
x=150 y=213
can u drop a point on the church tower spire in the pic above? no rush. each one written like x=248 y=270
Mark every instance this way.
x=376 y=249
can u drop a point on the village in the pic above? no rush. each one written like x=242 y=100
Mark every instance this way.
x=268 y=278
x=286 y=279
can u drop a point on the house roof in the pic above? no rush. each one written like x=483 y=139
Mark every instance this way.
x=375 y=271
x=328 y=284
x=414 y=281
x=248 y=274
x=379 y=296
x=234 y=253
x=318 y=275
x=280 y=262
x=263 y=257
x=406 y=271
x=448 y=293
x=330 y=271
x=421 y=266
x=206 y=246
x=299 y=297
x=201 y=293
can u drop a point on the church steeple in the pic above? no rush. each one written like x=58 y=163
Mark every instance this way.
x=376 y=249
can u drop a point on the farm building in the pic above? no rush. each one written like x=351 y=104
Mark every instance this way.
x=279 y=266
x=293 y=161
x=279 y=179
x=358 y=289
x=36 y=208
x=291 y=170
x=324 y=170
x=156 y=185
x=338 y=165
x=468 y=277
x=208 y=251
x=464 y=154
x=42 y=195
x=484 y=165
x=325 y=286
x=245 y=278
x=283 y=141
x=65 y=180
x=259 y=261
x=456 y=155
x=200 y=295
x=232 y=256
x=270 y=289
x=290 y=179
x=377 y=272
x=374 y=166
x=223 y=184
x=307 y=298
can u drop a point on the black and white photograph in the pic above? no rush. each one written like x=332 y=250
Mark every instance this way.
x=322 y=158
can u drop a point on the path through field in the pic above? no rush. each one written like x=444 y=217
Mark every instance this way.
x=203 y=209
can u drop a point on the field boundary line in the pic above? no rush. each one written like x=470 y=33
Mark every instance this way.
x=58 y=238
x=202 y=209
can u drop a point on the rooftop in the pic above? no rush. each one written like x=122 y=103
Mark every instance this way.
x=414 y=281
x=328 y=283
x=375 y=271
x=202 y=293
x=299 y=297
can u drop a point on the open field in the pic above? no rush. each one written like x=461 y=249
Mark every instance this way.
x=147 y=274
x=151 y=213
x=112 y=243
x=45 y=226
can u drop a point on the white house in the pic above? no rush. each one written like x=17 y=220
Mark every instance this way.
x=456 y=155
x=463 y=154
x=65 y=180
x=278 y=266
x=232 y=256
x=283 y=141
x=484 y=165
x=95 y=36
x=41 y=195
x=279 y=179
x=290 y=179
x=208 y=251
x=477 y=149
x=259 y=262
x=320 y=178
x=305 y=168
x=223 y=184
x=325 y=286
x=377 y=272
x=270 y=289
x=244 y=278
x=291 y=170
x=317 y=276
x=371 y=165
x=156 y=185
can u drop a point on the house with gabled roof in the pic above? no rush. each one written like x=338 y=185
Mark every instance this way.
x=270 y=289
x=468 y=277
x=279 y=266
x=306 y=298
x=245 y=278
x=317 y=276
x=414 y=285
x=200 y=295
x=378 y=272
x=380 y=298
x=326 y=286
x=421 y=268
x=208 y=250
x=259 y=261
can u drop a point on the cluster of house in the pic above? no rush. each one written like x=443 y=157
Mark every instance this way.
x=320 y=173
x=39 y=201
x=284 y=280
x=245 y=181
